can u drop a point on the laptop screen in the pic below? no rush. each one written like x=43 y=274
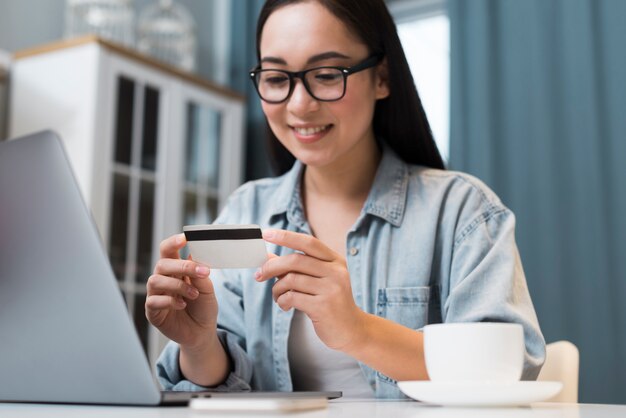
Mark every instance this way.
x=66 y=333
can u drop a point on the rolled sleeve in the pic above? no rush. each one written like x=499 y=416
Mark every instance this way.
x=170 y=376
x=488 y=283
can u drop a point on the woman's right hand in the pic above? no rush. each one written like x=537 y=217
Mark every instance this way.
x=181 y=301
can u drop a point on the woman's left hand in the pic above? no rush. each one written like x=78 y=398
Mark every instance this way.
x=317 y=283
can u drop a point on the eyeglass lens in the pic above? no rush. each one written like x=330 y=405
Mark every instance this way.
x=322 y=84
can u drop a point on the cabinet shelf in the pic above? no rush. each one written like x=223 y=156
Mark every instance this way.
x=201 y=191
x=129 y=171
x=134 y=288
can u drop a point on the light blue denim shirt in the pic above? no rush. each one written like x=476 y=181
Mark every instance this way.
x=429 y=246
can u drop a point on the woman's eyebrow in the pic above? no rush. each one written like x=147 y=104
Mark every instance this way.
x=326 y=55
x=312 y=60
x=274 y=60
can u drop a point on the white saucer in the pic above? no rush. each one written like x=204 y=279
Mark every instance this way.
x=480 y=393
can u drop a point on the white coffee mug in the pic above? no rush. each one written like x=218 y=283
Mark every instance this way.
x=474 y=351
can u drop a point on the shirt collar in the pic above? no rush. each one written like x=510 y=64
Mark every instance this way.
x=386 y=199
x=287 y=198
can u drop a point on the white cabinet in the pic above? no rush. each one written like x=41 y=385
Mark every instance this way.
x=153 y=148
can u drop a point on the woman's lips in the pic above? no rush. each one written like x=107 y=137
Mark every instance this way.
x=310 y=134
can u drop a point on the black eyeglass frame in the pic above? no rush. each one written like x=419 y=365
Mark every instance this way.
x=368 y=62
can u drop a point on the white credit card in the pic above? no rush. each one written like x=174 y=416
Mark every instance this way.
x=226 y=246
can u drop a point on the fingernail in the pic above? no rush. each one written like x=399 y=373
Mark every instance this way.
x=180 y=239
x=257 y=274
x=182 y=303
x=269 y=233
x=193 y=292
x=202 y=270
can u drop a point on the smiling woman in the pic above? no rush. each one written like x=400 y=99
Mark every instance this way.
x=370 y=238
x=321 y=134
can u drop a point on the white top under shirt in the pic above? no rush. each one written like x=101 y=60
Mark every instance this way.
x=316 y=367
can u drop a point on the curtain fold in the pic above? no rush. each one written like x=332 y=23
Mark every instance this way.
x=243 y=58
x=538 y=112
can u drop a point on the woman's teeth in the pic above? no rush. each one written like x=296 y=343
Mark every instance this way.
x=310 y=131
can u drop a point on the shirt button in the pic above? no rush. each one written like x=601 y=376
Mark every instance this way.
x=354 y=251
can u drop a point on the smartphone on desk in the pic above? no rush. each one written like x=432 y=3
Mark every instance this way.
x=257 y=404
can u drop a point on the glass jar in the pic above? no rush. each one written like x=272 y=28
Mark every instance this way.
x=167 y=31
x=109 y=19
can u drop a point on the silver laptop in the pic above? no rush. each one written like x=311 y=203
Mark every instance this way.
x=65 y=333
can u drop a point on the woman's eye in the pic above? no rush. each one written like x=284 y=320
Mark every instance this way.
x=275 y=80
x=328 y=77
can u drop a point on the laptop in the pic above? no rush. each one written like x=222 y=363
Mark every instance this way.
x=65 y=333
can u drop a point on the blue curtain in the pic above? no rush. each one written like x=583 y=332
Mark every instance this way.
x=243 y=58
x=538 y=111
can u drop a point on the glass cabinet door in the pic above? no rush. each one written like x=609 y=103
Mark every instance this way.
x=133 y=192
x=201 y=168
x=170 y=141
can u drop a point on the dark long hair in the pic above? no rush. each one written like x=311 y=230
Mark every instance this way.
x=399 y=119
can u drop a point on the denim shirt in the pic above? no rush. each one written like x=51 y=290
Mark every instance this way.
x=429 y=246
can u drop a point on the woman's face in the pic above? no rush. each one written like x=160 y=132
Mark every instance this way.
x=306 y=35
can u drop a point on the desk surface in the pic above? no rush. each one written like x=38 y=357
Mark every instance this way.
x=336 y=409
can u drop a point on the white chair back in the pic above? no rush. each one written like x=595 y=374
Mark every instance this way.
x=562 y=363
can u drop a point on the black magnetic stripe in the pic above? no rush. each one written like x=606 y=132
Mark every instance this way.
x=220 y=234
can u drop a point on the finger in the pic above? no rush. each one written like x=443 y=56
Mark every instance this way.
x=296 y=300
x=164 y=285
x=170 y=246
x=194 y=274
x=296 y=262
x=156 y=303
x=308 y=244
x=296 y=282
x=178 y=267
x=258 y=274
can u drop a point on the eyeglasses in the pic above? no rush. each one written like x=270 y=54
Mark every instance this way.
x=326 y=84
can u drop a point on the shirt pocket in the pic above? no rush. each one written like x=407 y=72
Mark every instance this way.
x=406 y=306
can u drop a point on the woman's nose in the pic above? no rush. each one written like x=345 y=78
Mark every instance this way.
x=301 y=101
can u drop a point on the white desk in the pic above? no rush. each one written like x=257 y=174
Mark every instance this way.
x=336 y=409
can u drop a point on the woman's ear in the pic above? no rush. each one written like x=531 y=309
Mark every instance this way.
x=382 y=80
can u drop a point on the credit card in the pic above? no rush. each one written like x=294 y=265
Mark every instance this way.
x=226 y=246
